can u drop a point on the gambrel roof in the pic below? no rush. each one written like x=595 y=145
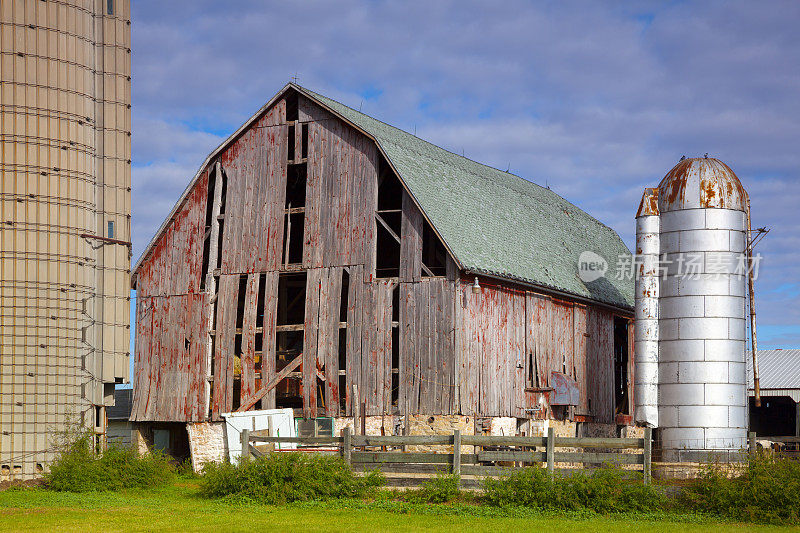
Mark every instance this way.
x=492 y=222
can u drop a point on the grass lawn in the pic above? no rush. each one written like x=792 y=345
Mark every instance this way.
x=178 y=508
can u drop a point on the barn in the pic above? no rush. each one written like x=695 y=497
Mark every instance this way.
x=327 y=262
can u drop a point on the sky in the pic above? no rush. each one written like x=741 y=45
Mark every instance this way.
x=596 y=100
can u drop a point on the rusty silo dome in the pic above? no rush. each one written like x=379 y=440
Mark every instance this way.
x=701 y=183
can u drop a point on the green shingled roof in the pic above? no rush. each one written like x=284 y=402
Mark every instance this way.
x=495 y=222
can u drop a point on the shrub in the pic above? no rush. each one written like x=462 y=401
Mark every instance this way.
x=287 y=477
x=767 y=491
x=605 y=490
x=79 y=468
x=439 y=489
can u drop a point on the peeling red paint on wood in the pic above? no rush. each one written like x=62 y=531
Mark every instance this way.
x=459 y=352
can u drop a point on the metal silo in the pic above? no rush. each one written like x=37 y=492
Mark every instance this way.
x=646 y=299
x=65 y=160
x=701 y=316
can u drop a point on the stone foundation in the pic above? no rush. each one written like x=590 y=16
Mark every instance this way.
x=207 y=443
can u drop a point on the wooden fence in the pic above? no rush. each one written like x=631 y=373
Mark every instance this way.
x=492 y=455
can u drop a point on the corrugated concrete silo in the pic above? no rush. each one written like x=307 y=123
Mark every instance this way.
x=701 y=317
x=65 y=159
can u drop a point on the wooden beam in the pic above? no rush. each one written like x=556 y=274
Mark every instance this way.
x=385 y=225
x=288 y=369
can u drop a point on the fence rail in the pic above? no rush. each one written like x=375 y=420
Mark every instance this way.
x=368 y=452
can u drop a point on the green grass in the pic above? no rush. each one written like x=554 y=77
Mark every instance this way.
x=179 y=507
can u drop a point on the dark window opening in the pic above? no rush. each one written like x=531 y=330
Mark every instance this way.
x=396 y=305
x=388 y=254
x=777 y=417
x=98 y=416
x=343 y=304
x=434 y=256
x=240 y=301
x=621 y=366
x=390 y=192
x=296 y=176
x=186 y=344
x=292 y=112
x=262 y=292
x=291 y=299
x=342 y=371
x=219 y=242
x=304 y=146
x=289 y=336
x=395 y=346
x=344 y=295
x=290 y=145
x=212 y=178
x=293 y=238
x=223 y=192
x=237 y=392
x=220 y=218
x=110 y=229
x=531 y=371
x=110 y=7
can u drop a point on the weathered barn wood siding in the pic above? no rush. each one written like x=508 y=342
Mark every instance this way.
x=427 y=352
x=600 y=363
x=169 y=364
x=341 y=193
x=503 y=329
x=457 y=351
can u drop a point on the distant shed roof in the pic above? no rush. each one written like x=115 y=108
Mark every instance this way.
x=495 y=222
x=777 y=369
x=121 y=410
x=492 y=221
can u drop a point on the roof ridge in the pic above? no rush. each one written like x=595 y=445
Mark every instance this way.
x=524 y=180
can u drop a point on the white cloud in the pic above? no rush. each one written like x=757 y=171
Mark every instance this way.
x=597 y=99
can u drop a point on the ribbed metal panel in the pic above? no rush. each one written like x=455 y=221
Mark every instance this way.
x=65 y=172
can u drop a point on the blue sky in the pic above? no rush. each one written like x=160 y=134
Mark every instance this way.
x=595 y=99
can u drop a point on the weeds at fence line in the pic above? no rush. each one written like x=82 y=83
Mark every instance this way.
x=287 y=477
x=80 y=467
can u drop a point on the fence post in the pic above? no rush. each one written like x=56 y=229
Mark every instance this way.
x=347 y=448
x=648 y=454
x=245 y=437
x=751 y=439
x=551 y=451
x=457 y=453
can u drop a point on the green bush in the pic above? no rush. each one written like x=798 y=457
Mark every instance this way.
x=767 y=491
x=287 y=477
x=79 y=468
x=605 y=490
x=439 y=489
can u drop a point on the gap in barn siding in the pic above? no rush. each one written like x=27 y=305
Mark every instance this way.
x=289 y=336
x=395 y=373
x=290 y=144
x=292 y=111
x=343 y=303
x=237 y=342
x=304 y=147
x=389 y=218
x=434 y=256
x=621 y=399
x=221 y=216
x=296 y=178
x=212 y=176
